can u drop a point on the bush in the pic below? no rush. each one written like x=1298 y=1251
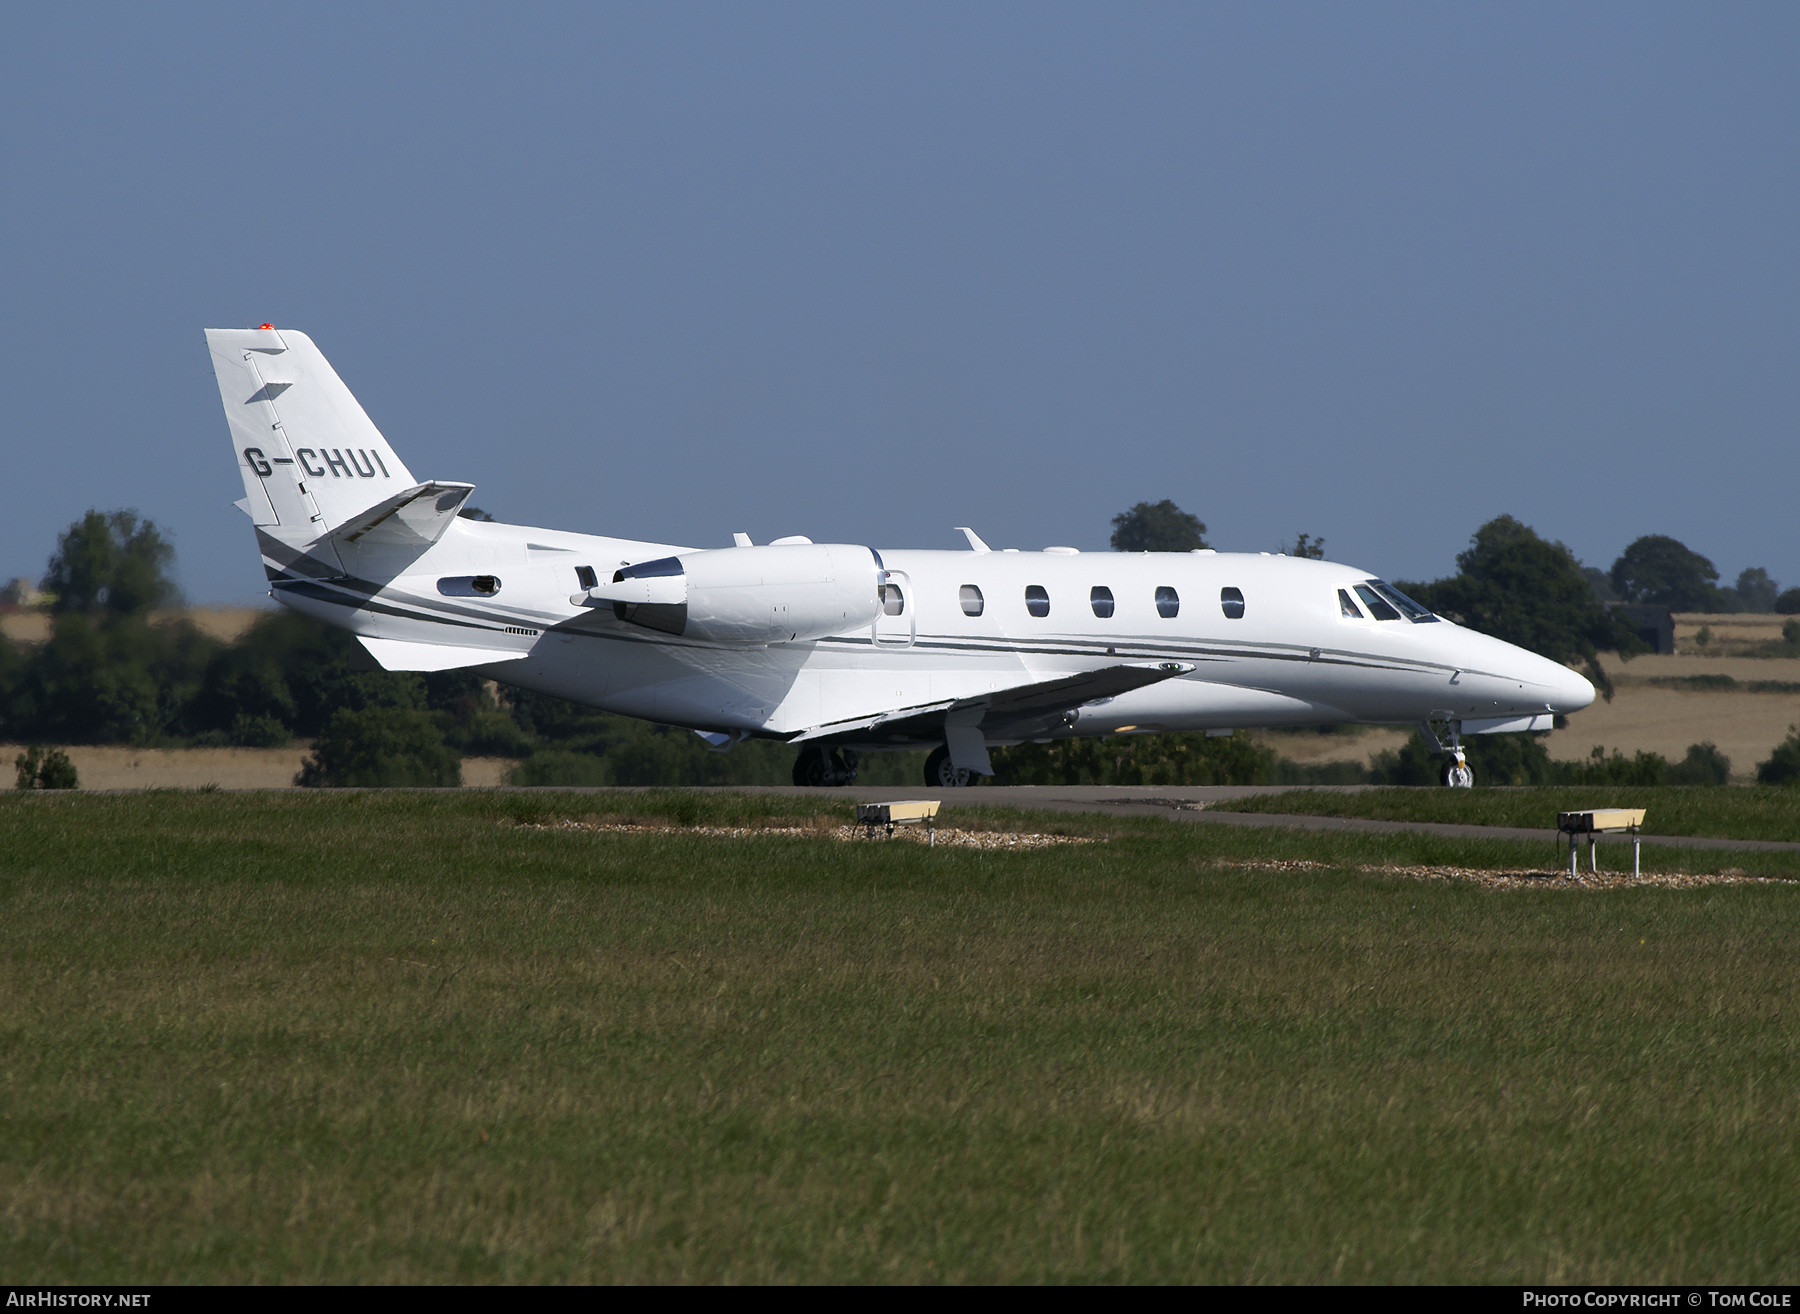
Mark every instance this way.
x=380 y=746
x=1783 y=766
x=1788 y=604
x=1703 y=765
x=556 y=767
x=1599 y=769
x=1137 y=760
x=45 y=770
x=1519 y=759
x=1288 y=772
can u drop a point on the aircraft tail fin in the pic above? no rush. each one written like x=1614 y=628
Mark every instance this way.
x=311 y=458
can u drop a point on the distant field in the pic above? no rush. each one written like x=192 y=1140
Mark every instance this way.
x=1724 y=812
x=226 y=623
x=321 y=1037
x=113 y=766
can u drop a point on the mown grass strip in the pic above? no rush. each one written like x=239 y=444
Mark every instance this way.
x=401 y=1037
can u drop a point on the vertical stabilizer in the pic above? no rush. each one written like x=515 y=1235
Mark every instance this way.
x=310 y=457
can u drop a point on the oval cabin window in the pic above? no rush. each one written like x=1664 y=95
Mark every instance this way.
x=893 y=601
x=1168 y=603
x=1100 y=598
x=1231 y=602
x=1037 y=600
x=469 y=586
x=970 y=597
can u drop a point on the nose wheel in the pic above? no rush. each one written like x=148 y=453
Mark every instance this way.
x=1456 y=771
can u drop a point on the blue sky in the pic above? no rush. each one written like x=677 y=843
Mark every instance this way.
x=1372 y=272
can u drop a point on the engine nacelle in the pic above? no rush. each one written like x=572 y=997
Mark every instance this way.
x=750 y=596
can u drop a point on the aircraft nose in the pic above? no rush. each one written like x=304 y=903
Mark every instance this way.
x=1570 y=691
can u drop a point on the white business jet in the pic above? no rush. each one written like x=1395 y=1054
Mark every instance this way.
x=837 y=648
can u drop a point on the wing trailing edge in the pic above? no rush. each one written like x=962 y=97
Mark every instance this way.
x=1021 y=702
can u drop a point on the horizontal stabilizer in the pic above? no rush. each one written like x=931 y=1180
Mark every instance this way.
x=395 y=655
x=416 y=518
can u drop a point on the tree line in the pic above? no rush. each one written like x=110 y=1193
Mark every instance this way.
x=111 y=674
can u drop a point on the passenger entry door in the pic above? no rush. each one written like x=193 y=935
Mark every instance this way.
x=898 y=623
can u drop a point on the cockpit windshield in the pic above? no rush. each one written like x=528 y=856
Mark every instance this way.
x=1413 y=612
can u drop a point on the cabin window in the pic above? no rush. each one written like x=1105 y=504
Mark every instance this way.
x=1413 y=612
x=1231 y=602
x=469 y=586
x=1378 y=606
x=1100 y=598
x=893 y=601
x=971 y=600
x=1168 y=603
x=1037 y=600
x=585 y=576
x=1348 y=608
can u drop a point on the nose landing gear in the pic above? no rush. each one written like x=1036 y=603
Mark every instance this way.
x=1456 y=772
x=821 y=767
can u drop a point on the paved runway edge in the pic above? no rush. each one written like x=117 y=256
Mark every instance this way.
x=1195 y=803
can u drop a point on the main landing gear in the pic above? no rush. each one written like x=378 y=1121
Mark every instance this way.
x=941 y=773
x=819 y=766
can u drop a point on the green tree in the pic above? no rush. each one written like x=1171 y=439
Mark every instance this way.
x=1788 y=604
x=1756 y=591
x=1783 y=766
x=1601 y=583
x=13 y=666
x=1162 y=527
x=1658 y=570
x=38 y=769
x=1305 y=545
x=1517 y=587
x=380 y=746
x=111 y=562
x=294 y=672
x=110 y=679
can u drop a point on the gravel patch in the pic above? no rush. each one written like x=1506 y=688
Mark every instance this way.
x=947 y=836
x=1501 y=879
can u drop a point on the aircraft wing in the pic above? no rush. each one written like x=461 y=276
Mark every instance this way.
x=1004 y=708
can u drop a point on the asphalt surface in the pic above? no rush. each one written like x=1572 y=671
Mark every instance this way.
x=1200 y=804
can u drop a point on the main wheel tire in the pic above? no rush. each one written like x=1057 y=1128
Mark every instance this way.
x=1459 y=775
x=941 y=773
x=812 y=769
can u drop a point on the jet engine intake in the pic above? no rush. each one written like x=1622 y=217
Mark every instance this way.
x=748 y=596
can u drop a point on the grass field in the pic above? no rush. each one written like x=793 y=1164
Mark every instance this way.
x=1765 y=812
x=318 y=1037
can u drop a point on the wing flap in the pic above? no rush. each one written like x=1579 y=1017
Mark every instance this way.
x=1021 y=701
